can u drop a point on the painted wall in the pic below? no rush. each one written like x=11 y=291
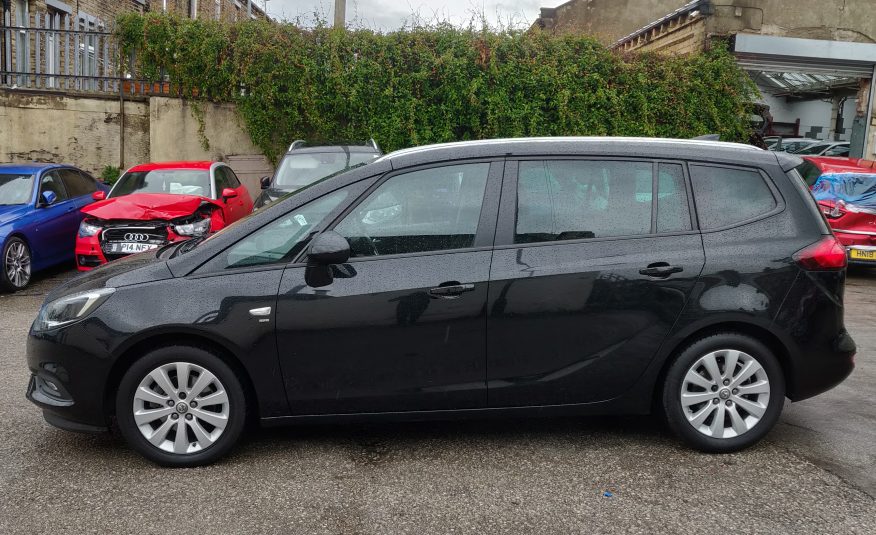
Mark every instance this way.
x=813 y=114
x=84 y=131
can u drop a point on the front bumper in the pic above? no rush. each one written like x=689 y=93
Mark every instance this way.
x=67 y=381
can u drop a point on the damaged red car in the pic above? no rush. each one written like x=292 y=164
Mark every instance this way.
x=158 y=203
x=845 y=189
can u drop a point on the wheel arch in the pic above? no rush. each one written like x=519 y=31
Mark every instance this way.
x=758 y=332
x=164 y=339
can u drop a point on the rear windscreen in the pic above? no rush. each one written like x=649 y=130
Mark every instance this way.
x=810 y=172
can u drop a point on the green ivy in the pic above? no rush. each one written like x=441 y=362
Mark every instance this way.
x=430 y=85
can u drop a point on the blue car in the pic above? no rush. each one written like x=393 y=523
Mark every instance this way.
x=39 y=217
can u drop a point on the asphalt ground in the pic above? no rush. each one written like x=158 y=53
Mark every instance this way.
x=815 y=473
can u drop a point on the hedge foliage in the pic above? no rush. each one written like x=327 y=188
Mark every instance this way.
x=435 y=84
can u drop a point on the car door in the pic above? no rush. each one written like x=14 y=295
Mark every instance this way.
x=242 y=204
x=594 y=262
x=57 y=223
x=402 y=327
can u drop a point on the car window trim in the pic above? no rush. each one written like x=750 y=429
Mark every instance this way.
x=506 y=225
x=765 y=176
x=485 y=232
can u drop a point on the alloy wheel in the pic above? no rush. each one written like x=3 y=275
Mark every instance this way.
x=181 y=408
x=17 y=264
x=725 y=393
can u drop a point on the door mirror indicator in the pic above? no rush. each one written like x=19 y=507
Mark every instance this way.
x=48 y=198
x=328 y=248
x=98 y=195
x=229 y=193
x=265 y=182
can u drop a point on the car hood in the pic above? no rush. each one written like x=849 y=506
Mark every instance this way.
x=11 y=212
x=147 y=206
x=127 y=271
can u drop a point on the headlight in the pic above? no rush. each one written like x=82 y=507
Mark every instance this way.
x=70 y=309
x=86 y=229
x=198 y=228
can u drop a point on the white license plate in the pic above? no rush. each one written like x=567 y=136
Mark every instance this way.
x=130 y=247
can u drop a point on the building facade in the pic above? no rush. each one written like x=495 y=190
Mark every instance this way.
x=94 y=14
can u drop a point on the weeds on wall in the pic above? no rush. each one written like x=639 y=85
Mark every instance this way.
x=434 y=84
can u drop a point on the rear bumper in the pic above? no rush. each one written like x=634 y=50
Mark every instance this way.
x=820 y=350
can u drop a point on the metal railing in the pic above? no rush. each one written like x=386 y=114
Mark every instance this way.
x=67 y=53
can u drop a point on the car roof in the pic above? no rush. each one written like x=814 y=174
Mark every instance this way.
x=333 y=148
x=31 y=167
x=202 y=164
x=842 y=164
x=588 y=146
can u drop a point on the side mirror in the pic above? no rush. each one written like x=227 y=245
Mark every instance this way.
x=98 y=195
x=265 y=182
x=229 y=193
x=48 y=198
x=326 y=249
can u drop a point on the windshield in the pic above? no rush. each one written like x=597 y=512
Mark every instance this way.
x=176 y=181
x=302 y=169
x=15 y=188
x=818 y=148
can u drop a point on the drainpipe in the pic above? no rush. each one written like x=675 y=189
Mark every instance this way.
x=121 y=124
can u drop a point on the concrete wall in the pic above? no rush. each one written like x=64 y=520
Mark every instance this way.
x=173 y=135
x=84 y=131
x=813 y=114
x=47 y=127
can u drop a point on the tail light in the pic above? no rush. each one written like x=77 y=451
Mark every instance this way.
x=828 y=253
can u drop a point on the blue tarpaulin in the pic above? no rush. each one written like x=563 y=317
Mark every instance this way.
x=856 y=190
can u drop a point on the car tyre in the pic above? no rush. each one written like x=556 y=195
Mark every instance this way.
x=16 y=264
x=180 y=406
x=718 y=410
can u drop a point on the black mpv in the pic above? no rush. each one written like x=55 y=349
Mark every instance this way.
x=525 y=276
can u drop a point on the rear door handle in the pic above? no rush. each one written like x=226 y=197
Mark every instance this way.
x=660 y=270
x=451 y=290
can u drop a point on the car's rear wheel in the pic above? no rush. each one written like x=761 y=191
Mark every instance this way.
x=180 y=406
x=16 y=265
x=723 y=392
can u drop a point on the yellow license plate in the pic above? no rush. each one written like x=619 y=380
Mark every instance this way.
x=858 y=254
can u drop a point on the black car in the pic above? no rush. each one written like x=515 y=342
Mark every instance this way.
x=512 y=277
x=304 y=164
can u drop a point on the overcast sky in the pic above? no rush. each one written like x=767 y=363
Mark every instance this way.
x=392 y=14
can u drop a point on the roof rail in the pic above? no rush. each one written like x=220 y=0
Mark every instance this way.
x=297 y=144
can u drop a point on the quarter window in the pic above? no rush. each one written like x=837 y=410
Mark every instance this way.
x=726 y=196
x=568 y=200
x=428 y=210
x=283 y=239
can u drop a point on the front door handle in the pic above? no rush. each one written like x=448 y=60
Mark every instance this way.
x=450 y=290
x=660 y=270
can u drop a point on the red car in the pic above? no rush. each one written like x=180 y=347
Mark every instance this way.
x=845 y=189
x=158 y=203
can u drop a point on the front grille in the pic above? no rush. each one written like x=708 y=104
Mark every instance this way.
x=145 y=234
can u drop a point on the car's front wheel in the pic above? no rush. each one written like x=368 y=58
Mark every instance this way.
x=723 y=392
x=180 y=406
x=16 y=265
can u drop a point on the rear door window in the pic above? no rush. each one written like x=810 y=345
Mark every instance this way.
x=726 y=196
x=580 y=199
